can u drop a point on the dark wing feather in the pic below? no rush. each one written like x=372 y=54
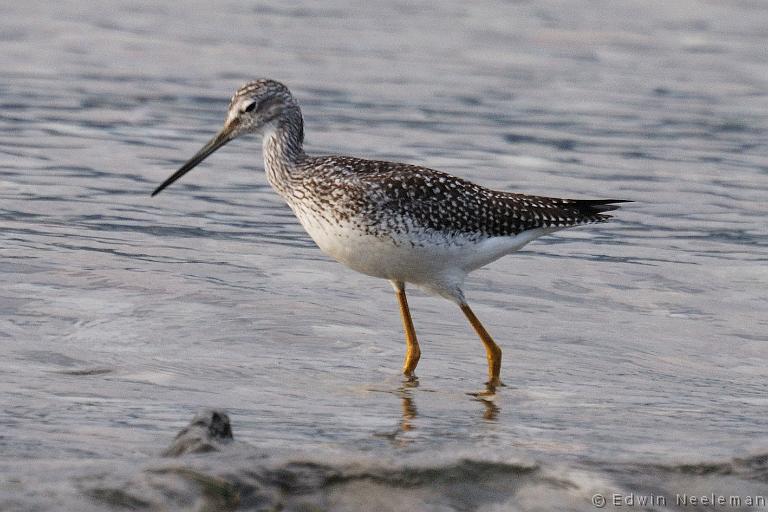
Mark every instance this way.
x=388 y=193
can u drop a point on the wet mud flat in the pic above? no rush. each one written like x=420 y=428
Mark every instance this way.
x=205 y=468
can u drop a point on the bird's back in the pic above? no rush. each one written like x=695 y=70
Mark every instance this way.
x=402 y=198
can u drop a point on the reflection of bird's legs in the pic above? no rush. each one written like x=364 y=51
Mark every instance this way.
x=412 y=352
x=491 y=412
x=409 y=411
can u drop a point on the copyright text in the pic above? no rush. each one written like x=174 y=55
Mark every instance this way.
x=617 y=500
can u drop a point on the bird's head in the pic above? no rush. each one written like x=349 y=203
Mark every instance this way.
x=256 y=107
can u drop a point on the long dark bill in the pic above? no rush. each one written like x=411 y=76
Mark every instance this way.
x=224 y=136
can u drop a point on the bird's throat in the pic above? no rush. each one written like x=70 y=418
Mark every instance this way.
x=283 y=150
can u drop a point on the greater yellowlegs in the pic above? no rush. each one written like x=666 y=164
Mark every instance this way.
x=400 y=222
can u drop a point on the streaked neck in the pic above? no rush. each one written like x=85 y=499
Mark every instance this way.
x=283 y=150
x=284 y=142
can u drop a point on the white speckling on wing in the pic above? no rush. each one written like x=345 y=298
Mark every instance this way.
x=398 y=221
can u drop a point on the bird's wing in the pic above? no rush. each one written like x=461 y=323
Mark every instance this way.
x=404 y=197
x=440 y=201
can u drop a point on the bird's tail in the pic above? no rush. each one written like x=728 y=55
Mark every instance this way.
x=596 y=207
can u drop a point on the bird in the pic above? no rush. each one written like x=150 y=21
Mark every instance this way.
x=408 y=224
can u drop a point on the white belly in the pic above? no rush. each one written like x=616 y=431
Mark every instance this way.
x=426 y=259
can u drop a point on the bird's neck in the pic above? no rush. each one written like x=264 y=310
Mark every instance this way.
x=284 y=149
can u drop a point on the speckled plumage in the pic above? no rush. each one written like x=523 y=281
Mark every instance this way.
x=400 y=222
x=393 y=197
x=338 y=197
x=398 y=204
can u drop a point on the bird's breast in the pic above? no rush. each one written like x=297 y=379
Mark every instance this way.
x=413 y=256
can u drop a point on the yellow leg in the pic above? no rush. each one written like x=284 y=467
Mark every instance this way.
x=412 y=352
x=492 y=350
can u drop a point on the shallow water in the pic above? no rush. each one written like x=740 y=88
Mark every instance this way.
x=634 y=351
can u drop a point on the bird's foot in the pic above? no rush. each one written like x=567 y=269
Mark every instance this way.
x=490 y=389
x=495 y=383
x=410 y=380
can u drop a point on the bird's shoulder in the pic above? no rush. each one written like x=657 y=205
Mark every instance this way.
x=385 y=179
x=399 y=182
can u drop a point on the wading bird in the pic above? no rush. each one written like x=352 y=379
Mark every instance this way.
x=400 y=222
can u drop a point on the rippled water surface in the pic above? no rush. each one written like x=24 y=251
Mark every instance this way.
x=634 y=351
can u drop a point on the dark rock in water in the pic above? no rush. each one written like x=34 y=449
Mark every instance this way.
x=208 y=431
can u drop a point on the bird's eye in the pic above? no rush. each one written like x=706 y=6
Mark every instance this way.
x=250 y=107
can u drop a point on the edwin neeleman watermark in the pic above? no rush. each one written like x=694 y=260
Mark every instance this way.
x=678 y=500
